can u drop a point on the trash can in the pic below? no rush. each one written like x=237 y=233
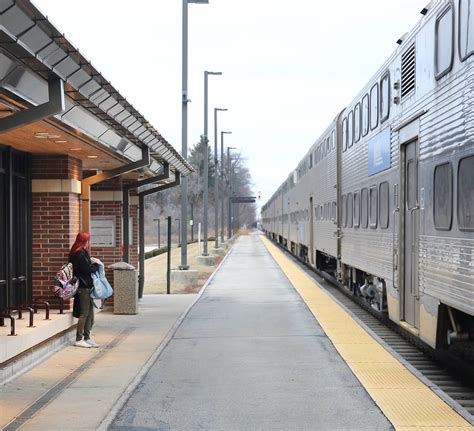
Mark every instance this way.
x=125 y=288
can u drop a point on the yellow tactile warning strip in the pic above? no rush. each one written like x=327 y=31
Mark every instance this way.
x=406 y=402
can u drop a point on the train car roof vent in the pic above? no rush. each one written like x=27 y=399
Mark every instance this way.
x=408 y=71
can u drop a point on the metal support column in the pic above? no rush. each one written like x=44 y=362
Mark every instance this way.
x=141 y=196
x=126 y=206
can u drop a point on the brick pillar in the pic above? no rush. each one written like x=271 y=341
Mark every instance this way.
x=56 y=191
x=106 y=205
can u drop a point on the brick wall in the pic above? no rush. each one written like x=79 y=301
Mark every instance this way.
x=55 y=222
x=56 y=166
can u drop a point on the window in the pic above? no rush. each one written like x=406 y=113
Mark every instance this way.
x=357 y=122
x=334 y=212
x=364 y=208
x=350 y=129
x=365 y=115
x=344 y=134
x=350 y=210
x=373 y=207
x=385 y=97
x=344 y=211
x=311 y=161
x=411 y=185
x=328 y=146
x=333 y=139
x=356 y=209
x=444 y=42
x=443 y=196
x=466 y=194
x=384 y=202
x=374 y=107
x=466 y=28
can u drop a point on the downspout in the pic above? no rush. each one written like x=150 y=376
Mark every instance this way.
x=126 y=206
x=141 y=233
x=94 y=179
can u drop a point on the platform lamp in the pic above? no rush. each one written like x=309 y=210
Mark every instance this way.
x=206 y=159
x=229 y=190
x=184 y=132
x=222 y=183
x=216 y=178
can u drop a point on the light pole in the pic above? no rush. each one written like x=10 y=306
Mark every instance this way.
x=179 y=230
x=184 y=131
x=158 y=231
x=206 y=159
x=216 y=178
x=229 y=189
x=222 y=183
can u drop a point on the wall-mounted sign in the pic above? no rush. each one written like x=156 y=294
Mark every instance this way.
x=379 y=152
x=103 y=232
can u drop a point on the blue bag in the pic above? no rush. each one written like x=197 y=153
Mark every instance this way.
x=101 y=288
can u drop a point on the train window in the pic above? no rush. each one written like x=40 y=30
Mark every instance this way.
x=373 y=206
x=311 y=161
x=444 y=42
x=333 y=139
x=443 y=196
x=350 y=129
x=365 y=115
x=356 y=209
x=344 y=134
x=374 y=106
x=350 y=210
x=466 y=29
x=466 y=193
x=384 y=202
x=325 y=150
x=385 y=97
x=364 y=208
x=344 y=211
x=357 y=113
x=334 y=212
x=328 y=146
x=321 y=212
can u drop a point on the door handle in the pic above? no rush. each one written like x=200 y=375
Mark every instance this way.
x=415 y=208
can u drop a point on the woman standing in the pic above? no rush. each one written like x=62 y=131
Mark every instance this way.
x=80 y=258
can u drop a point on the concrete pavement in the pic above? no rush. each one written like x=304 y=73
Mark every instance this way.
x=75 y=389
x=250 y=355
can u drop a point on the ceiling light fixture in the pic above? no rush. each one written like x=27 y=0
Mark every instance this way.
x=61 y=141
x=76 y=149
x=93 y=157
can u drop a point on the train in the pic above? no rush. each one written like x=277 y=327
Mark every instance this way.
x=383 y=201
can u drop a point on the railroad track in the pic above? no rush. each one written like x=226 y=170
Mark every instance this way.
x=448 y=374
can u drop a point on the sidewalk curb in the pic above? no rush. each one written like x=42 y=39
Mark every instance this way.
x=109 y=418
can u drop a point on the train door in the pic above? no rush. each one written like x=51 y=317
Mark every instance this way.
x=311 y=231
x=409 y=300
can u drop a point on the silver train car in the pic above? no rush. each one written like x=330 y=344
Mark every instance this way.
x=383 y=201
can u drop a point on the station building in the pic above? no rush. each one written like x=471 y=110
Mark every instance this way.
x=74 y=156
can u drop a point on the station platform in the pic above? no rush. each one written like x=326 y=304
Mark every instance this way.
x=261 y=347
x=265 y=348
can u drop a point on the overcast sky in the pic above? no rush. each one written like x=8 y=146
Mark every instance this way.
x=288 y=66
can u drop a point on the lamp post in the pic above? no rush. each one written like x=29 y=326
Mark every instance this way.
x=222 y=182
x=158 y=231
x=216 y=178
x=179 y=230
x=184 y=131
x=206 y=159
x=229 y=189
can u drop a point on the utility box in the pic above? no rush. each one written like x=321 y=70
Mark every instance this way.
x=125 y=288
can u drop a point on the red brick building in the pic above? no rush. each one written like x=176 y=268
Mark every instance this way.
x=69 y=146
